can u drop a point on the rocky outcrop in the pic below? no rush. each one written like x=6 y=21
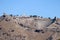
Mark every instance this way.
x=29 y=28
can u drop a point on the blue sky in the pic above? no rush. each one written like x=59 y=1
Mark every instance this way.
x=45 y=8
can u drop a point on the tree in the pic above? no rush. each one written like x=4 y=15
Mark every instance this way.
x=34 y=15
x=41 y=17
x=49 y=18
x=30 y=15
x=4 y=14
x=11 y=15
x=54 y=19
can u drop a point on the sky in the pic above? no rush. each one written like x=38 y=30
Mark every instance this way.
x=45 y=8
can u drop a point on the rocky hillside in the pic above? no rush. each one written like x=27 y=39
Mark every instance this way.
x=29 y=28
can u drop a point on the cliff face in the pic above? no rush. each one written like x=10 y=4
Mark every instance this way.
x=29 y=28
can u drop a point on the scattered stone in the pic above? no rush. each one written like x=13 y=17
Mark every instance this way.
x=28 y=28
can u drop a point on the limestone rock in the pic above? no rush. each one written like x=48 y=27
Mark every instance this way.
x=29 y=28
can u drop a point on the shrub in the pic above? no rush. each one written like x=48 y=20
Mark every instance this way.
x=58 y=39
x=12 y=30
x=53 y=20
x=0 y=28
x=11 y=15
x=49 y=18
x=37 y=30
x=31 y=16
x=34 y=15
x=4 y=16
x=21 y=24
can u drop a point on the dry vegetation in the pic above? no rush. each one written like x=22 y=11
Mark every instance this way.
x=29 y=28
